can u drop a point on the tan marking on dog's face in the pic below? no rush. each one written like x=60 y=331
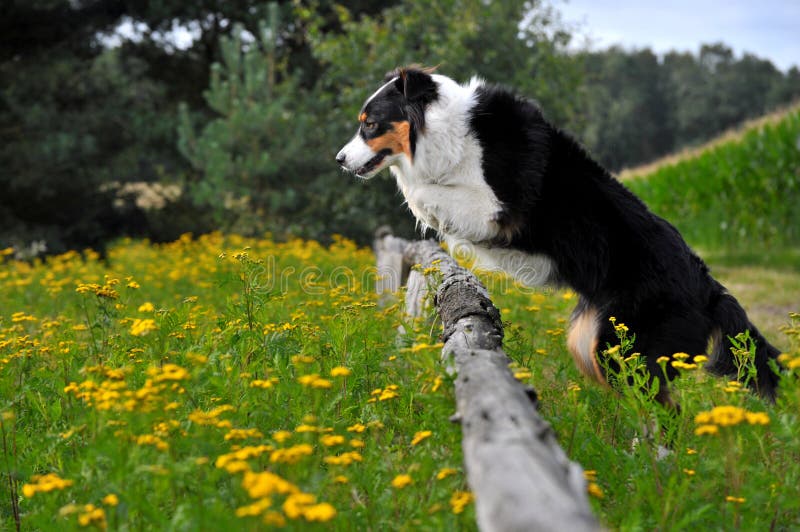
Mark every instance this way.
x=582 y=343
x=362 y=117
x=397 y=140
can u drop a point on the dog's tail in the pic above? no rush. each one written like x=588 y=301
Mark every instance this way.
x=729 y=320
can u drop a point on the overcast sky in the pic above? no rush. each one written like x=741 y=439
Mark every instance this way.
x=766 y=28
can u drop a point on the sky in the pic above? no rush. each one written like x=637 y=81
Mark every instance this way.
x=767 y=28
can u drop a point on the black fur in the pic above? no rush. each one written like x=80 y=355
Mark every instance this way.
x=622 y=259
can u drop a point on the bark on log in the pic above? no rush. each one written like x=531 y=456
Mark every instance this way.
x=521 y=478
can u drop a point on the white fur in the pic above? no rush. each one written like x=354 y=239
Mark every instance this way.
x=527 y=268
x=445 y=188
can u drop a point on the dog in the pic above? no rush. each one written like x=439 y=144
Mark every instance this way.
x=479 y=164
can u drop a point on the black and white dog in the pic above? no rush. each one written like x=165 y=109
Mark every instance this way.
x=480 y=164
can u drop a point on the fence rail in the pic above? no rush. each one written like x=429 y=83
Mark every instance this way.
x=520 y=476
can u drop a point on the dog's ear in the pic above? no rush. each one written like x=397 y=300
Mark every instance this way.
x=416 y=85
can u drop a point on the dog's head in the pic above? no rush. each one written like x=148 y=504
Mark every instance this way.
x=390 y=122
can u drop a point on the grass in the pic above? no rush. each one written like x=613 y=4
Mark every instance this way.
x=223 y=382
x=739 y=195
x=231 y=383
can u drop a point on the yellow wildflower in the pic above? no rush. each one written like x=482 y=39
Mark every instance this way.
x=401 y=481
x=595 y=490
x=706 y=429
x=143 y=327
x=420 y=435
x=291 y=455
x=329 y=440
x=459 y=500
x=110 y=500
x=445 y=472
x=44 y=484
x=295 y=503
x=281 y=436
x=264 y=484
x=256 y=508
x=340 y=371
x=319 y=512
x=92 y=516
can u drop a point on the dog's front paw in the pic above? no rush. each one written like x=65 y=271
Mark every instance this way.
x=502 y=224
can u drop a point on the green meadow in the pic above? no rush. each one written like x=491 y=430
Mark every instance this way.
x=223 y=382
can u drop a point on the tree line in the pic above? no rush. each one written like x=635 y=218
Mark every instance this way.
x=112 y=124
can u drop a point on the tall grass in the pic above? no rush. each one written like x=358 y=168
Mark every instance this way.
x=736 y=195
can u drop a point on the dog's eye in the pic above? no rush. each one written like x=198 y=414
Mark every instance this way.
x=369 y=125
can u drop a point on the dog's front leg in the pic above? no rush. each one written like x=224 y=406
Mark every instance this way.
x=461 y=212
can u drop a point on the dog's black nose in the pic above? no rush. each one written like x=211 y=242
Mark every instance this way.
x=340 y=158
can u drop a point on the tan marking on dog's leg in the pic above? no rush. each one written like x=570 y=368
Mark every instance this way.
x=582 y=343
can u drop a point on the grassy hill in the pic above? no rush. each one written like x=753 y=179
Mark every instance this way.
x=739 y=193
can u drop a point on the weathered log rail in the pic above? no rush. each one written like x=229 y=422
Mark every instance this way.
x=521 y=478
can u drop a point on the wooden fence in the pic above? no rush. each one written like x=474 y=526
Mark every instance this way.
x=520 y=476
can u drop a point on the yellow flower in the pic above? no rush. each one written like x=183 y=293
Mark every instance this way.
x=420 y=435
x=143 y=327
x=706 y=429
x=243 y=434
x=757 y=418
x=731 y=498
x=110 y=500
x=401 y=481
x=523 y=374
x=358 y=427
x=281 y=436
x=291 y=455
x=44 y=483
x=344 y=459
x=264 y=484
x=459 y=500
x=340 y=371
x=445 y=472
x=92 y=516
x=595 y=490
x=680 y=356
x=322 y=383
x=257 y=508
x=689 y=472
x=329 y=440
x=319 y=512
x=341 y=479
x=295 y=504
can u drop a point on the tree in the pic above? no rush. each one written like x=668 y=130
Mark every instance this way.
x=272 y=145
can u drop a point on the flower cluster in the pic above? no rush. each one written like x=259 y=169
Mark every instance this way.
x=726 y=416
